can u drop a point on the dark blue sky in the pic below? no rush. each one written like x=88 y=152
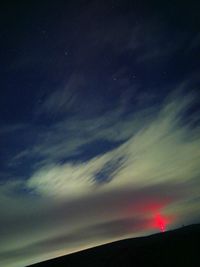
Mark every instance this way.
x=96 y=54
x=96 y=98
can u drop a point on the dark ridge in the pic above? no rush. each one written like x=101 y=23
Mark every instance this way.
x=178 y=247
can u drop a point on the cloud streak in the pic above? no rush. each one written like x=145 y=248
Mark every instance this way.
x=151 y=155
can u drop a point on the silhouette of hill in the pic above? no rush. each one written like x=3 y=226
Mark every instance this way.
x=180 y=247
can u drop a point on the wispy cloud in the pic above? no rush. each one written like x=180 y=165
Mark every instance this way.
x=164 y=143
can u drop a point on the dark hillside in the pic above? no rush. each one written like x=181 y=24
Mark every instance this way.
x=173 y=248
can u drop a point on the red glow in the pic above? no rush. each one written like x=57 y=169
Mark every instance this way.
x=160 y=222
x=150 y=210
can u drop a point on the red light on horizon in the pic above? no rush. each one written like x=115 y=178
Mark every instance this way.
x=160 y=222
x=152 y=214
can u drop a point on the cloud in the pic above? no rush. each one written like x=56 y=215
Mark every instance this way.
x=163 y=149
x=63 y=100
x=9 y=129
x=70 y=180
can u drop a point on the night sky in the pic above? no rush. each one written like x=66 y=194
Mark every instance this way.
x=99 y=123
